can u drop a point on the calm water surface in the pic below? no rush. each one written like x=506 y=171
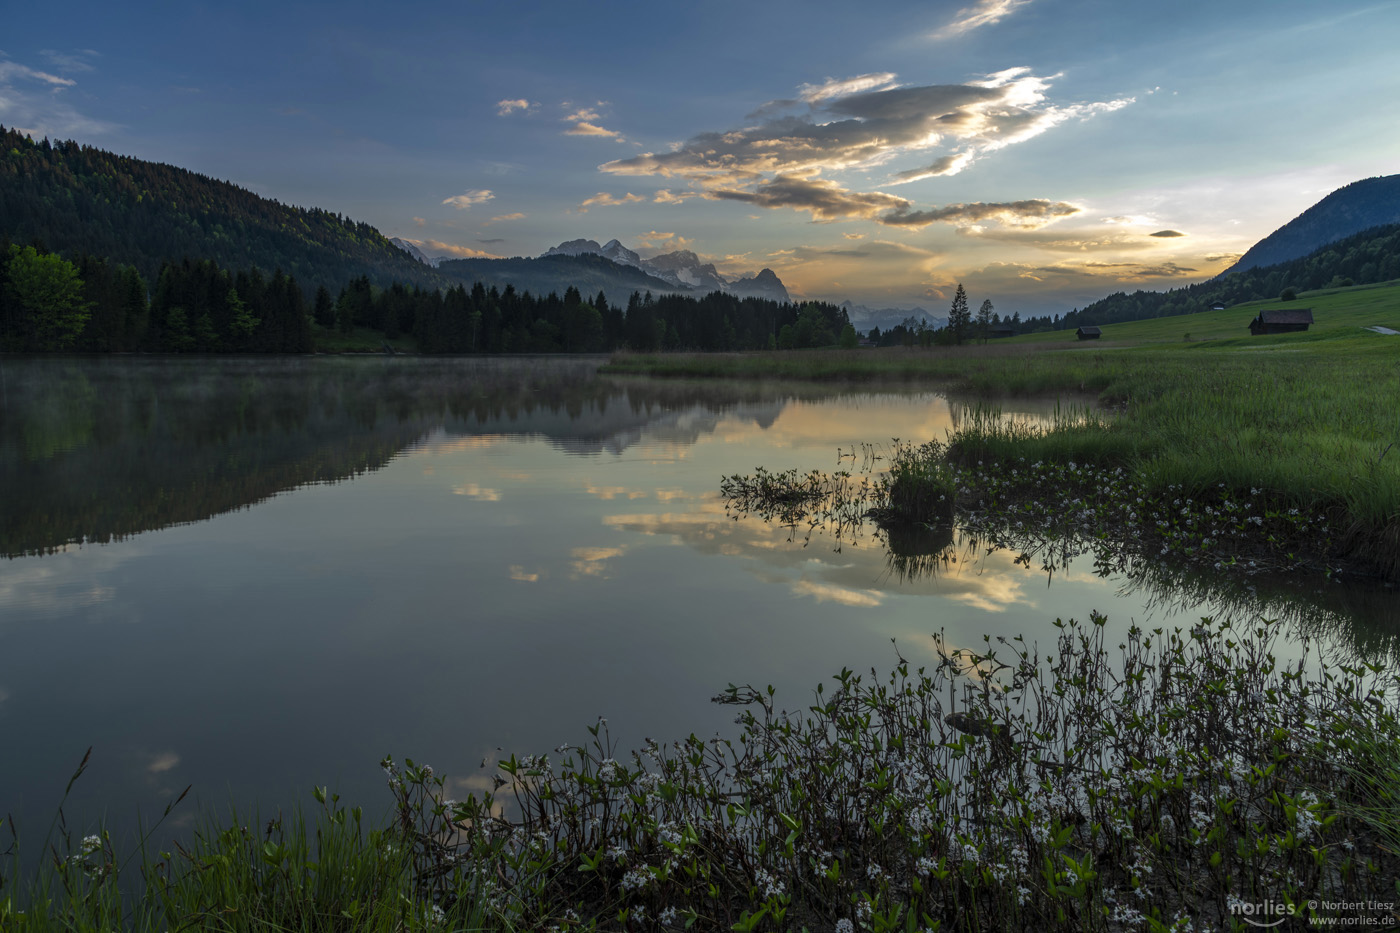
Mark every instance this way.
x=256 y=576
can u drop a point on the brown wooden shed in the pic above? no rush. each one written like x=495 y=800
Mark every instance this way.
x=1281 y=320
x=1089 y=333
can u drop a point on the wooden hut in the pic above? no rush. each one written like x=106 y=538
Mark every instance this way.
x=1002 y=330
x=1281 y=320
x=1088 y=333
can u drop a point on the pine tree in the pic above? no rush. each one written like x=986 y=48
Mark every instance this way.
x=984 y=320
x=960 y=316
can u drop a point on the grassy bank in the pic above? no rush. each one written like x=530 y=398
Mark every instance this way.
x=1309 y=417
x=1009 y=788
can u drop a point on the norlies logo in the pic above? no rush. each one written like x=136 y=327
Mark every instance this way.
x=1265 y=914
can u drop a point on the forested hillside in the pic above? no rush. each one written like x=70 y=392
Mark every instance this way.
x=1362 y=259
x=77 y=200
x=1361 y=205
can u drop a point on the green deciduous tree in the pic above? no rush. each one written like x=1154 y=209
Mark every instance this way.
x=44 y=301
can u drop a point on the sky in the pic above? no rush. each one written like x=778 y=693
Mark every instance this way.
x=1044 y=153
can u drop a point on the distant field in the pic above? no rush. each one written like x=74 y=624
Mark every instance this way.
x=1336 y=311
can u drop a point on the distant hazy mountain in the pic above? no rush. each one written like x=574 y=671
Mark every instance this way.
x=864 y=318
x=613 y=250
x=1356 y=207
x=588 y=271
x=764 y=285
x=681 y=270
x=684 y=268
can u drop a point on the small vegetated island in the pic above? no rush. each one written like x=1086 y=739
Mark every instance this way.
x=1180 y=780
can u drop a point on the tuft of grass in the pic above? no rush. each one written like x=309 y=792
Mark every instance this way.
x=331 y=873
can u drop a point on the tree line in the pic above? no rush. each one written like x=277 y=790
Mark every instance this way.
x=94 y=305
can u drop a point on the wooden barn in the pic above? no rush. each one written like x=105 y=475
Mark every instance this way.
x=1002 y=330
x=1281 y=320
x=1088 y=333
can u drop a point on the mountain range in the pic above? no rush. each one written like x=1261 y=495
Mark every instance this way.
x=864 y=318
x=679 y=272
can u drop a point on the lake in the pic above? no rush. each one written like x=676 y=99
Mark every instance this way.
x=256 y=576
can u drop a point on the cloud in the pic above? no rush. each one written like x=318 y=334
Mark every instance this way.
x=982 y=13
x=1167 y=233
x=777 y=162
x=35 y=102
x=439 y=248
x=666 y=196
x=464 y=201
x=592 y=561
x=162 y=762
x=494 y=239
x=827 y=200
x=515 y=216
x=833 y=87
x=478 y=492
x=507 y=107
x=828 y=592
x=603 y=199
x=517 y=572
x=585 y=123
x=854 y=236
x=419 y=222
x=947 y=165
x=11 y=70
x=1029 y=214
x=1010 y=277
x=75 y=61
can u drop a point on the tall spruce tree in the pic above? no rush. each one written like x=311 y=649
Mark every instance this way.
x=960 y=316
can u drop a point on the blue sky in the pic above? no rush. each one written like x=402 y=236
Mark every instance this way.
x=1043 y=152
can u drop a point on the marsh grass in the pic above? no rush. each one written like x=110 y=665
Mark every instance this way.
x=1007 y=788
x=1306 y=420
x=236 y=873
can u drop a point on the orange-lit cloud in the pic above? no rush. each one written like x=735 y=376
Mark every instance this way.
x=439 y=248
x=982 y=13
x=478 y=492
x=603 y=199
x=464 y=201
x=592 y=561
x=585 y=123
